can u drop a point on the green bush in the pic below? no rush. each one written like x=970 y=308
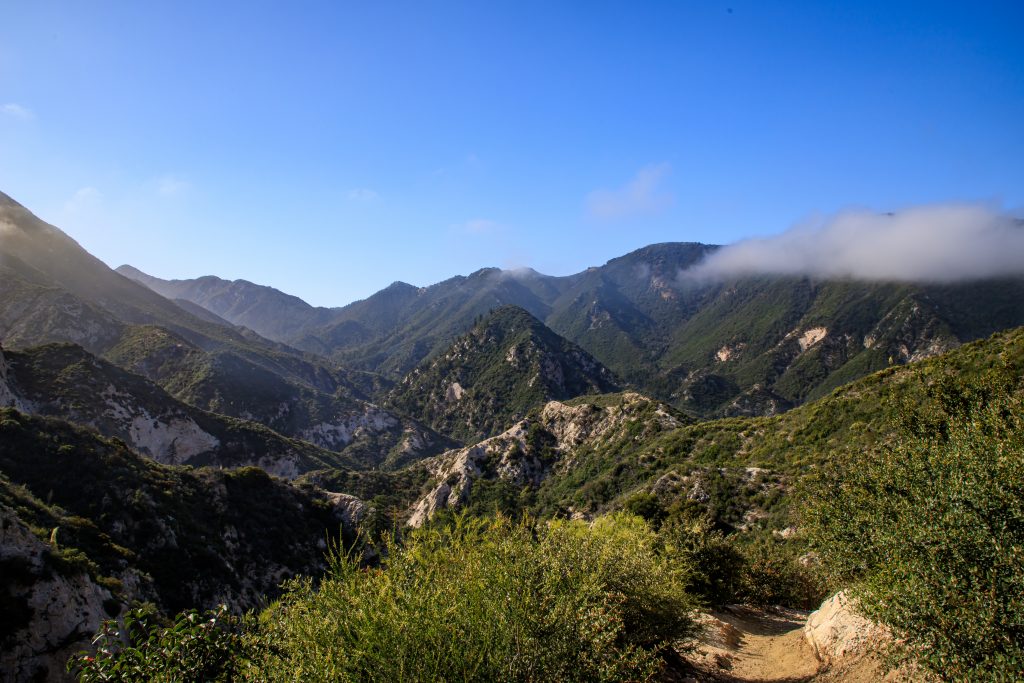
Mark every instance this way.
x=773 y=575
x=214 y=647
x=930 y=531
x=487 y=600
x=717 y=566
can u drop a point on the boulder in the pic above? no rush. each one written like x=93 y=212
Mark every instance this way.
x=836 y=632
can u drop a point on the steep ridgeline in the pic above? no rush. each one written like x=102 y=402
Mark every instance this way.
x=593 y=454
x=51 y=290
x=752 y=346
x=66 y=381
x=508 y=364
x=265 y=310
x=89 y=527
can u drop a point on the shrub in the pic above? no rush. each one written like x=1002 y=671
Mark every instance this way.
x=717 y=566
x=931 y=532
x=192 y=648
x=489 y=600
x=773 y=575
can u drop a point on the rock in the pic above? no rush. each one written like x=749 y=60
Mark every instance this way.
x=351 y=510
x=53 y=613
x=837 y=632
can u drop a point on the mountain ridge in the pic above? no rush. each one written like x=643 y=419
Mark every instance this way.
x=750 y=346
x=508 y=363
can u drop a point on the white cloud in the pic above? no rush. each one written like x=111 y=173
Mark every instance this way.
x=17 y=111
x=936 y=243
x=362 y=194
x=84 y=199
x=170 y=186
x=641 y=195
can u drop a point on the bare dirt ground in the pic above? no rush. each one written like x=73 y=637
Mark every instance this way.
x=745 y=645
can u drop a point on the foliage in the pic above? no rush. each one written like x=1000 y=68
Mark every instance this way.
x=489 y=600
x=212 y=647
x=773 y=574
x=931 y=529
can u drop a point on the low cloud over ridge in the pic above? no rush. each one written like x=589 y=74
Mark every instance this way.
x=935 y=243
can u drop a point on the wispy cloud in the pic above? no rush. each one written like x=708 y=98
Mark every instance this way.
x=17 y=111
x=478 y=226
x=643 y=194
x=362 y=194
x=935 y=243
x=84 y=199
x=171 y=186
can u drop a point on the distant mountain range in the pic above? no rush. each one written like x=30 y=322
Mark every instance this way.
x=751 y=346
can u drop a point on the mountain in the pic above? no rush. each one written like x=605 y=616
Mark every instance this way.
x=90 y=528
x=507 y=364
x=749 y=346
x=52 y=290
x=598 y=453
x=66 y=381
x=390 y=332
x=265 y=310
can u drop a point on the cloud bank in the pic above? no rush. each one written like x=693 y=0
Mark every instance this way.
x=641 y=195
x=936 y=243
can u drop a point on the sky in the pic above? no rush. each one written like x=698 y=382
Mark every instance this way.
x=331 y=148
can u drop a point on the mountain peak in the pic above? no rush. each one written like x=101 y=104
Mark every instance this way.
x=508 y=364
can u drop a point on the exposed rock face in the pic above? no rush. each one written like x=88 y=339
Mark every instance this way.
x=836 y=632
x=811 y=337
x=350 y=510
x=7 y=397
x=51 y=612
x=169 y=438
x=526 y=453
x=503 y=456
x=66 y=381
x=337 y=435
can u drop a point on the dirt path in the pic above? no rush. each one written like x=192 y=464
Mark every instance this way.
x=743 y=645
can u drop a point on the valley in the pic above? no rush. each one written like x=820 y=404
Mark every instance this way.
x=190 y=443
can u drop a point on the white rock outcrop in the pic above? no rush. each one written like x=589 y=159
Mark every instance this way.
x=337 y=434
x=836 y=632
x=509 y=456
x=811 y=337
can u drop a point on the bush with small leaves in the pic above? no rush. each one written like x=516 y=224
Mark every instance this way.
x=194 y=647
x=930 y=532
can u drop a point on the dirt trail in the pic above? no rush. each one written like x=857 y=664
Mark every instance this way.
x=744 y=645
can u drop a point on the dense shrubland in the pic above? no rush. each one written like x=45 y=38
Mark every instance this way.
x=474 y=599
x=929 y=531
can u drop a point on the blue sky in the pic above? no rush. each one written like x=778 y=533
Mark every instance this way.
x=331 y=148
